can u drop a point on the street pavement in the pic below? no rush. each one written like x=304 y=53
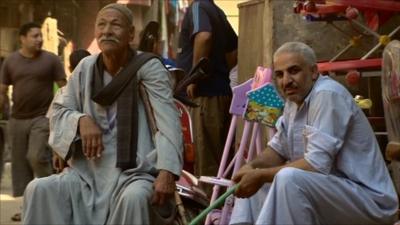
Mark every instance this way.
x=8 y=204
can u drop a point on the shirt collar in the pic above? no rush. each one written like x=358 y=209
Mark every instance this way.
x=308 y=97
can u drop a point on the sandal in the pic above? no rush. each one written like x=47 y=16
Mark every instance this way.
x=16 y=217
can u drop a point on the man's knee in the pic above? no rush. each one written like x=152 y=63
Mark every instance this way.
x=40 y=163
x=36 y=186
x=289 y=176
x=136 y=196
x=33 y=159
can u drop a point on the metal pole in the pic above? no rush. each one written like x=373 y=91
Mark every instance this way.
x=365 y=28
x=380 y=44
x=341 y=52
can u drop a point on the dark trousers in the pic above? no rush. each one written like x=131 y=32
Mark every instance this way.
x=30 y=152
x=211 y=122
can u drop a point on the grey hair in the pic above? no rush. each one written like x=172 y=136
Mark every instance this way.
x=298 y=48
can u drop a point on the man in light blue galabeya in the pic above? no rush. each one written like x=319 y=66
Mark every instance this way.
x=324 y=165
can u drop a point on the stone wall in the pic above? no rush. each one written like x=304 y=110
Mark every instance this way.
x=264 y=25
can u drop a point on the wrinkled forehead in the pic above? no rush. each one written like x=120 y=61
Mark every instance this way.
x=121 y=10
x=285 y=60
x=111 y=15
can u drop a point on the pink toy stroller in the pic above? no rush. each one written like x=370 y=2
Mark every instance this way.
x=256 y=102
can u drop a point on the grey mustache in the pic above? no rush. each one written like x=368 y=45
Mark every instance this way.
x=290 y=86
x=101 y=39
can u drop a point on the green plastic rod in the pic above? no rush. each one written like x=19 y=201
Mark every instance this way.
x=219 y=201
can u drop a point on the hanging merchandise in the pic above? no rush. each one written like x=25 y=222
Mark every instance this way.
x=164 y=29
x=182 y=7
x=183 y=4
x=50 y=35
x=174 y=4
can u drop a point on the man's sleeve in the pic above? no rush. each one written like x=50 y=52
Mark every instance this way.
x=200 y=19
x=232 y=39
x=168 y=139
x=64 y=113
x=328 y=119
x=278 y=142
x=5 y=73
x=59 y=72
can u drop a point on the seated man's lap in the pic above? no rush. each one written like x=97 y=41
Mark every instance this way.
x=252 y=204
x=141 y=192
x=56 y=184
x=334 y=199
x=136 y=197
x=138 y=191
x=48 y=194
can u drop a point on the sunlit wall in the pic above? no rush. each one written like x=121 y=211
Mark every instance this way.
x=231 y=10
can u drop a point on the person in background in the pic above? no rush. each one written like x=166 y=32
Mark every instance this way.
x=32 y=72
x=233 y=77
x=75 y=57
x=4 y=116
x=119 y=172
x=323 y=165
x=207 y=33
x=150 y=42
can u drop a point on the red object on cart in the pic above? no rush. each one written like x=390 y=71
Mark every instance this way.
x=376 y=12
x=186 y=125
x=346 y=65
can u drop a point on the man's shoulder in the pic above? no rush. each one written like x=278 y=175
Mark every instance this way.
x=206 y=5
x=202 y=3
x=12 y=59
x=48 y=54
x=328 y=90
x=13 y=56
x=49 y=57
x=326 y=83
x=152 y=62
x=87 y=62
x=90 y=59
